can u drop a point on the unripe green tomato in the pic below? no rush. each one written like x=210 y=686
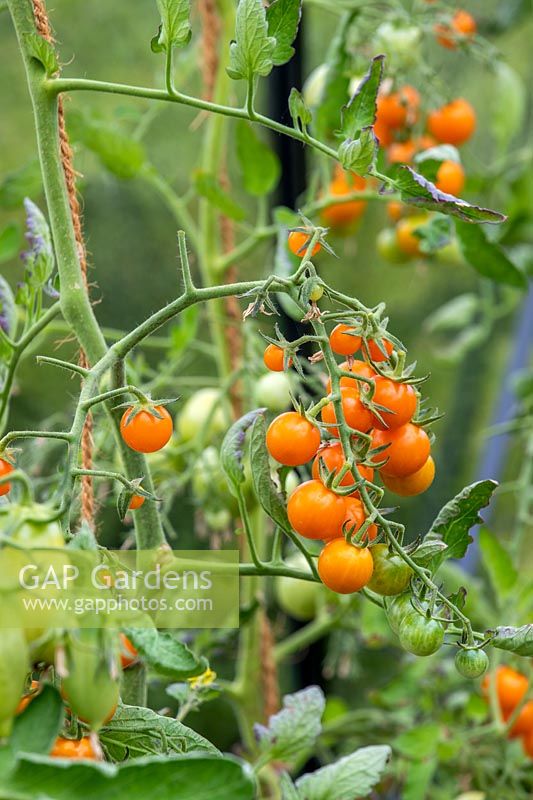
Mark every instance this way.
x=316 y=293
x=398 y=609
x=400 y=44
x=273 y=391
x=314 y=86
x=14 y=668
x=218 y=520
x=28 y=525
x=387 y=247
x=391 y=574
x=292 y=481
x=450 y=254
x=298 y=599
x=420 y=635
x=192 y=419
x=471 y=663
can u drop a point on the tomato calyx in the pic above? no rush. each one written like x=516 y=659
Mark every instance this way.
x=132 y=497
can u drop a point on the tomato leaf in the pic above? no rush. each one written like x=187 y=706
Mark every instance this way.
x=36 y=729
x=8 y=312
x=301 y=115
x=418 y=779
x=10 y=240
x=427 y=550
x=252 y=52
x=360 y=112
x=349 y=777
x=120 y=154
x=418 y=743
x=435 y=234
x=260 y=167
x=497 y=562
x=293 y=730
x=41 y=50
x=456 y=314
x=24 y=182
x=514 y=640
x=337 y=80
x=359 y=154
x=455 y=520
x=175 y=29
x=509 y=103
x=209 y=187
x=232 y=449
x=288 y=789
x=166 y=654
x=265 y=490
x=418 y=191
x=135 y=732
x=487 y=257
x=283 y=17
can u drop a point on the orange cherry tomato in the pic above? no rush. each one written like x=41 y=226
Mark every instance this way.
x=339 y=215
x=453 y=123
x=462 y=27
x=315 y=511
x=344 y=568
x=401 y=152
x=406 y=240
x=146 y=431
x=298 y=243
x=400 y=398
x=528 y=744
x=5 y=469
x=292 y=440
x=397 y=108
x=128 y=653
x=358 y=368
x=413 y=484
x=383 y=133
x=27 y=698
x=375 y=350
x=332 y=455
x=343 y=341
x=355 y=516
x=75 y=749
x=524 y=722
x=511 y=687
x=408 y=449
x=424 y=142
x=136 y=502
x=450 y=178
x=274 y=358
x=356 y=415
x=395 y=210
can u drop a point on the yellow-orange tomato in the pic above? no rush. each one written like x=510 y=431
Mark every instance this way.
x=128 y=653
x=405 y=236
x=5 y=469
x=395 y=210
x=407 y=451
x=136 y=502
x=27 y=698
x=375 y=350
x=399 y=398
x=316 y=512
x=383 y=133
x=274 y=358
x=292 y=440
x=450 y=178
x=413 y=484
x=528 y=744
x=356 y=415
x=358 y=368
x=343 y=341
x=76 y=749
x=511 y=687
x=424 y=142
x=401 y=152
x=344 y=568
x=299 y=242
x=332 y=455
x=339 y=215
x=462 y=27
x=524 y=722
x=397 y=108
x=146 y=431
x=453 y=123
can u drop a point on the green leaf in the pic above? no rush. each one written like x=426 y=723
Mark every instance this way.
x=487 y=257
x=208 y=186
x=10 y=241
x=135 y=732
x=187 y=777
x=232 y=449
x=283 y=18
x=166 y=654
x=435 y=234
x=456 y=314
x=418 y=779
x=301 y=115
x=456 y=518
x=175 y=29
x=37 y=728
x=260 y=167
x=121 y=155
x=497 y=562
x=184 y=332
x=292 y=732
x=418 y=743
x=288 y=789
x=265 y=490
x=509 y=103
x=361 y=110
x=253 y=50
x=337 y=80
x=349 y=777
x=8 y=311
x=42 y=51
x=427 y=550
x=418 y=191
x=514 y=640
x=25 y=182
x=359 y=155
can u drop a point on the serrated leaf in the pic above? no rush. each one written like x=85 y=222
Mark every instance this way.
x=361 y=110
x=509 y=103
x=514 y=640
x=253 y=50
x=293 y=730
x=497 y=562
x=265 y=490
x=283 y=18
x=10 y=241
x=24 y=182
x=456 y=518
x=232 y=449
x=418 y=743
x=135 y=732
x=456 y=314
x=42 y=51
x=260 y=167
x=418 y=779
x=359 y=155
x=175 y=29
x=487 y=257
x=337 y=80
x=165 y=654
x=36 y=729
x=348 y=778
x=427 y=550
x=209 y=187
x=120 y=154
x=418 y=191
x=301 y=115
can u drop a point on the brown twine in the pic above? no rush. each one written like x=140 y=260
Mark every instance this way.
x=269 y=671
x=42 y=24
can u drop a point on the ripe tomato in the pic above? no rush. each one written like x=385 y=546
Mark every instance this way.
x=344 y=568
x=420 y=635
x=292 y=440
x=128 y=653
x=358 y=368
x=356 y=415
x=528 y=744
x=395 y=210
x=76 y=749
x=398 y=609
x=405 y=236
x=524 y=721
x=5 y=469
x=391 y=574
x=413 y=484
x=375 y=350
x=453 y=123
x=343 y=341
x=274 y=358
x=450 y=178
x=400 y=398
x=355 y=516
x=383 y=133
x=401 y=152
x=146 y=431
x=397 y=108
x=315 y=511
x=407 y=452
x=340 y=215
x=332 y=455
x=471 y=663
x=424 y=142
x=136 y=502
x=511 y=687
x=26 y=699
x=462 y=27
x=298 y=599
x=298 y=243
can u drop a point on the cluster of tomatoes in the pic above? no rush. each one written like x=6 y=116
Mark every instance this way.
x=511 y=689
